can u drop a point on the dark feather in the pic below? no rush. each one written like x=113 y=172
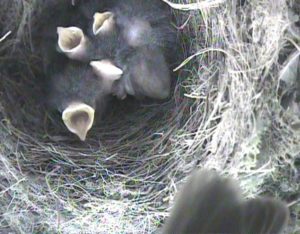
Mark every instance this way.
x=75 y=83
x=208 y=203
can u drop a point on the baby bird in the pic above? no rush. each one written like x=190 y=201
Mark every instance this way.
x=147 y=30
x=73 y=43
x=146 y=22
x=76 y=90
x=146 y=74
x=121 y=51
x=208 y=203
x=136 y=36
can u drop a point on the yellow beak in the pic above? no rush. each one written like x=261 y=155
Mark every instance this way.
x=79 y=119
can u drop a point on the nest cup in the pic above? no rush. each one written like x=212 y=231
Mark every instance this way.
x=128 y=130
x=122 y=179
x=120 y=159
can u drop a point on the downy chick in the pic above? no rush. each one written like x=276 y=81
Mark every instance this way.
x=136 y=36
x=44 y=30
x=208 y=203
x=76 y=90
x=146 y=74
x=146 y=22
x=78 y=42
x=73 y=88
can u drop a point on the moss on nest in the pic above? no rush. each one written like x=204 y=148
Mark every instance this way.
x=225 y=114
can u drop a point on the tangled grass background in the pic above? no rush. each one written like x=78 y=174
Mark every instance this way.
x=226 y=114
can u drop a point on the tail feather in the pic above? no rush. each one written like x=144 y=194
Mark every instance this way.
x=202 y=204
x=264 y=216
x=208 y=203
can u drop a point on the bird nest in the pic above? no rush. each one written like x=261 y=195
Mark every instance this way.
x=225 y=113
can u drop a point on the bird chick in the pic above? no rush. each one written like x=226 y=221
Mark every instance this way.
x=44 y=31
x=73 y=43
x=101 y=41
x=146 y=74
x=60 y=36
x=80 y=43
x=77 y=87
x=145 y=22
x=135 y=36
x=208 y=203
x=76 y=90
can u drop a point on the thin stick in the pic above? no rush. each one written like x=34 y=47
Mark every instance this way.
x=5 y=36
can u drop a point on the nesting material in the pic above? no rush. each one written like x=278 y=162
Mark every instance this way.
x=225 y=114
